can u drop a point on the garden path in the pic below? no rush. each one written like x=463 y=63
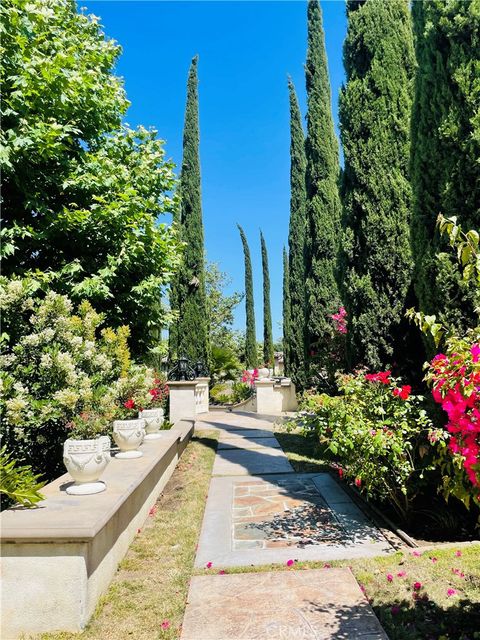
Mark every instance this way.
x=259 y=511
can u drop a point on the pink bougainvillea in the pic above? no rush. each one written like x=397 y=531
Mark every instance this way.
x=249 y=377
x=340 y=320
x=455 y=379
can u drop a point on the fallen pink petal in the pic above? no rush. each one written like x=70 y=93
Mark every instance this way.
x=165 y=624
x=451 y=592
x=289 y=563
x=209 y=565
x=389 y=577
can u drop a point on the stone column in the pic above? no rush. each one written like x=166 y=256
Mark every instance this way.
x=267 y=402
x=182 y=400
x=202 y=395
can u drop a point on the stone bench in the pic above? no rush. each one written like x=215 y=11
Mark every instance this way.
x=59 y=558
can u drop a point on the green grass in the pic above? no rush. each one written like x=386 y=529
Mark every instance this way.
x=151 y=584
x=305 y=453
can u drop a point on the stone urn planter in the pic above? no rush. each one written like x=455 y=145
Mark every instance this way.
x=85 y=461
x=128 y=436
x=153 y=421
x=263 y=373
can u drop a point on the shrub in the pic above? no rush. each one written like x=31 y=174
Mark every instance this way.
x=56 y=366
x=378 y=432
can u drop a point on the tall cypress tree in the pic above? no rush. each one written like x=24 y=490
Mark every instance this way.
x=296 y=245
x=445 y=150
x=323 y=199
x=251 y=359
x=268 y=354
x=286 y=314
x=190 y=336
x=375 y=108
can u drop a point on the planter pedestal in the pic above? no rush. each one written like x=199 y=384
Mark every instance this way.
x=86 y=488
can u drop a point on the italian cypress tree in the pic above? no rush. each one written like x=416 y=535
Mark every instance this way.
x=445 y=150
x=323 y=199
x=268 y=355
x=296 y=245
x=375 y=108
x=190 y=335
x=286 y=314
x=251 y=359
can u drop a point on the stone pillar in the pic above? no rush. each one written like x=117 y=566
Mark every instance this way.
x=202 y=398
x=182 y=400
x=267 y=402
x=274 y=398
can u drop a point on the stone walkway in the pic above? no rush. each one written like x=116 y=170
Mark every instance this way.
x=259 y=511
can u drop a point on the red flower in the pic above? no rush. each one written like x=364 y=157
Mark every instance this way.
x=404 y=392
x=129 y=404
x=417 y=586
x=358 y=482
x=382 y=376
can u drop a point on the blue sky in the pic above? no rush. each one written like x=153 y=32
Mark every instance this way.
x=246 y=50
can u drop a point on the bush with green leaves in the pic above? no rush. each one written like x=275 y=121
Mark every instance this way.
x=18 y=484
x=57 y=363
x=378 y=431
x=82 y=193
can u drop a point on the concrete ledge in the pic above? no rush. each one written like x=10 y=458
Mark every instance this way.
x=58 y=558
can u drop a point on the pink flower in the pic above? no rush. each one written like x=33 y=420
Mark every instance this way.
x=289 y=563
x=209 y=565
x=395 y=610
x=451 y=592
x=417 y=554
x=340 y=472
x=153 y=510
x=417 y=586
x=129 y=404
x=458 y=554
x=165 y=624
x=475 y=351
x=401 y=574
x=389 y=577
x=358 y=482
x=222 y=572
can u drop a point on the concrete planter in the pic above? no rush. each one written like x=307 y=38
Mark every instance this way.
x=128 y=436
x=154 y=419
x=85 y=461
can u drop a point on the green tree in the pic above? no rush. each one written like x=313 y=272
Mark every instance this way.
x=251 y=355
x=220 y=307
x=189 y=297
x=295 y=334
x=323 y=200
x=287 y=338
x=445 y=151
x=375 y=107
x=268 y=356
x=82 y=194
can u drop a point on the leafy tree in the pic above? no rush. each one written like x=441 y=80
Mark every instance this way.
x=375 y=108
x=323 y=200
x=251 y=355
x=295 y=334
x=81 y=193
x=287 y=337
x=191 y=331
x=268 y=356
x=220 y=307
x=445 y=151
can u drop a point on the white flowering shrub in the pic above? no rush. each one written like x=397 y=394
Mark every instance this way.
x=57 y=364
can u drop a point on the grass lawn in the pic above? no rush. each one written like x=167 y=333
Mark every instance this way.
x=146 y=599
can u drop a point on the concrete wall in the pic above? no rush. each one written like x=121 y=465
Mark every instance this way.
x=59 y=558
x=274 y=397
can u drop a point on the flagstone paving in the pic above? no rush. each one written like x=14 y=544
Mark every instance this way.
x=259 y=511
